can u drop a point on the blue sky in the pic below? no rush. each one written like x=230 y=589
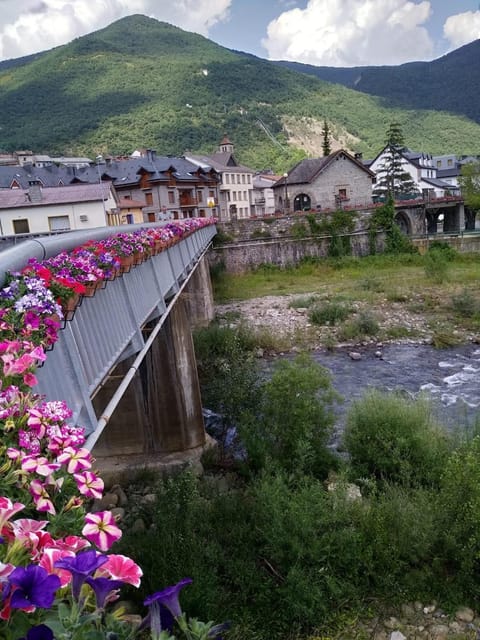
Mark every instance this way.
x=322 y=32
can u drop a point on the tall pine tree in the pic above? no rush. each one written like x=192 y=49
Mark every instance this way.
x=393 y=181
x=326 y=139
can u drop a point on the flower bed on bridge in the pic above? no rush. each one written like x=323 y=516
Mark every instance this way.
x=56 y=577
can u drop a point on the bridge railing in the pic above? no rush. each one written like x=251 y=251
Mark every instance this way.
x=106 y=329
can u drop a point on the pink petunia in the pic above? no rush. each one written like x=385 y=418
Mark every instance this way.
x=40 y=465
x=101 y=529
x=75 y=459
x=89 y=484
x=120 y=567
x=8 y=509
x=48 y=559
x=41 y=497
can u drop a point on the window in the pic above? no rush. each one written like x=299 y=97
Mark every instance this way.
x=211 y=194
x=238 y=178
x=59 y=223
x=200 y=196
x=450 y=162
x=248 y=179
x=21 y=226
x=439 y=164
x=243 y=178
x=148 y=198
x=171 y=197
x=245 y=197
x=227 y=178
x=342 y=194
x=234 y=195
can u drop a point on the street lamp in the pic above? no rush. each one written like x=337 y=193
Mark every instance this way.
x=285 y=176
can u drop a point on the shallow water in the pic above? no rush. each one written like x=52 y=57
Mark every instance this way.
x=450 y=377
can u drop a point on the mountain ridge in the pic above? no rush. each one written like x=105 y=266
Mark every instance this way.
x=143 y=83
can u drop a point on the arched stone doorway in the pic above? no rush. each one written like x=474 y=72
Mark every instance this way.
x=403 y=222
x=302 y=202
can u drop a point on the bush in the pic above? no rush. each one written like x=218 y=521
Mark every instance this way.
x=329 y=313
x=460 y=509
x=364 y=325
x=465 y=304
x=394 y=439
x=291 y=427
x=436 y=266
x=449 y=253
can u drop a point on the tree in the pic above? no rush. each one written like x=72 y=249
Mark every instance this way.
x=392 y=178
x=469 y=183
x=326 y=139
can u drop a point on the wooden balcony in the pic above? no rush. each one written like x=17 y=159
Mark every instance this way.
x=188 y=201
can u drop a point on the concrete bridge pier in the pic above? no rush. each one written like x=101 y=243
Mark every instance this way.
x=198 y=295
x=161 y=412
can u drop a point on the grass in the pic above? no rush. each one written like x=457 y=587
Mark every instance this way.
x=376 y=281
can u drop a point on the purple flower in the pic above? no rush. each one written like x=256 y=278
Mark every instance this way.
x=40 y=632
x=83 y=565
x=102 y=588
x=168 y=597
x=164 y=607
x=34 y=586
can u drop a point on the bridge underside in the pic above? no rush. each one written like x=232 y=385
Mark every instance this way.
x=430 y=219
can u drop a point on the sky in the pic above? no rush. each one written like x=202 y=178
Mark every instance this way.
x=340 y=33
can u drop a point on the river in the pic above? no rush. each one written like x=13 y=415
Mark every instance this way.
x=450 y=377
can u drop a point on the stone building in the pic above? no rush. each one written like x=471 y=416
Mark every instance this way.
x=337 y=181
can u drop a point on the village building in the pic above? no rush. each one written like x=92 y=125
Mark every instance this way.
x=236 y=181
x=336 y=181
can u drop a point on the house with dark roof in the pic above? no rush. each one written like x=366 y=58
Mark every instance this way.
x=338 y=180
x=236 y=181
x=41 y=209
x=423 y=168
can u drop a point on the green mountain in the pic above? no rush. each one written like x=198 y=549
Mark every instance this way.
x=450 y=83
x=144 y=83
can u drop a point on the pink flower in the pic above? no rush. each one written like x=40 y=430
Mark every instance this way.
x=71 y=543
x=75 y=459
x=101 y=529
x=120 y=567
x=8 y=509
x=40 y=465
x=89 y=484
x=30 y=379
x=41 y=497
x=48 y=559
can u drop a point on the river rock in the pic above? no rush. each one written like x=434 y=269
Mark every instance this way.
x=118 y=513
x=122 y=496
x=355 y=355
x=108 y=501
x=439 y=631
x=397 y=635
x=465 y=614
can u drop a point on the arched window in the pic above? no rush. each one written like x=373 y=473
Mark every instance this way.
x=302 y=202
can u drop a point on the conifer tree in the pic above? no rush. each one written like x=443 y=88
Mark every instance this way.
x=469 y=183
x=393 y=181
x=326 y=139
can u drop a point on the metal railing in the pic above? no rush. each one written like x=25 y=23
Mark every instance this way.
x=107 y=328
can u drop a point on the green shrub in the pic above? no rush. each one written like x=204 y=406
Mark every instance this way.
x=443 y=339
x=465 y=304
x=258 y=234
x=436 y=266
x=292 y=424
x=329 y=313
x=460 y=510
x=299 y=230
x=449 y=253
x=364 y=325
x=395 y=439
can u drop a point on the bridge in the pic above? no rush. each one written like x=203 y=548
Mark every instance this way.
x=125 y=356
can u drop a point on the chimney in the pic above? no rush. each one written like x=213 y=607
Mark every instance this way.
x=151 y=155
x=34 y=191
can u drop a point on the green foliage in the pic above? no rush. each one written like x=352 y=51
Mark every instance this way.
x=329 y=313
x=395 y=439
x=299 y=230
x=448 y=252
x=395 y=241
x=227 y=371
x=436 y=265
x=326 y=148
x=290 y=429
x=460 y=511
x=469 y=183
x=392 y=179
x=365 y=324
x=466 y=304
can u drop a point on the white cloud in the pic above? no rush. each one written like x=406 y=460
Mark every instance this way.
x=351 y=33
x=462 y=28
x=36 y=25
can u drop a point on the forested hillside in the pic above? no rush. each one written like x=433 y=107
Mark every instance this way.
x=450 y=83
x=144 y=83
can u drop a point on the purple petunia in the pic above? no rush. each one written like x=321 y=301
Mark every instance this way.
x=33 y=586
x=40 y=632
x=103 y=587
x=83 y=565
x=164 y=606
